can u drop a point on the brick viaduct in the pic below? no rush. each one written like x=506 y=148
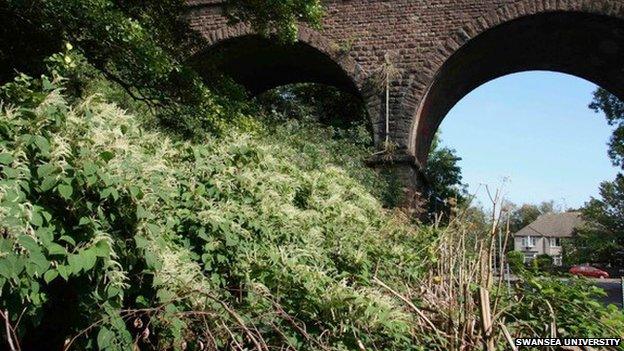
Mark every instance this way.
x=440 y=49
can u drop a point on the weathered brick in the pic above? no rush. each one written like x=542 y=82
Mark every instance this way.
x=429 y=41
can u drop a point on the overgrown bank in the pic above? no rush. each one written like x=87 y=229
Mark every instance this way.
x=116 y=236
x=107 y=223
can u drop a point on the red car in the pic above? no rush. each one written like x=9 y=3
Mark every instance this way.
x=589 y=271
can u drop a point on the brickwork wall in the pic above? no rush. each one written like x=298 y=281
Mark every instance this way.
x=418 y=35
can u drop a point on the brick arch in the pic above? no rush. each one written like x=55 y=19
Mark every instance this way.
x=423 y=101
x=310 y=41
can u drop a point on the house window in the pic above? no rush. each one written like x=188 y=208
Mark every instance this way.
x=555 y=242
x=528 y=241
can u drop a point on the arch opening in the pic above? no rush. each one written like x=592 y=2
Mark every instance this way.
x=585 y=45
x=528 y=134
x=261 y=64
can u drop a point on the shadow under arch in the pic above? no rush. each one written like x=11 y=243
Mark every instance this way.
x=262 y=63
x=586 y=45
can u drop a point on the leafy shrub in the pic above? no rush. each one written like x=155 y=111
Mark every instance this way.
x=143 y=46
x=516 y=261
x=136 y=227
x=563 y=308
x=543 y=263
x=114 y=237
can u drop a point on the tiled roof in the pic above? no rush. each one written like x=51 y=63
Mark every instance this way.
x=553 y=225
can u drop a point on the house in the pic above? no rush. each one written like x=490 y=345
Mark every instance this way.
x=545 y=234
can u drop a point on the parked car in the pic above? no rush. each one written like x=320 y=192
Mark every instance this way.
x=589 y=271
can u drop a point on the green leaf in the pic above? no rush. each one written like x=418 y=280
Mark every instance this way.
x=89 y=168
x=36 y=219
x=48 y=183
x=102 y=249
x=42 y=143
x=40 y=261
x=91 y=180
x=84 y=221
x=135 y=192
x=68 y=239
x=107 y=155
x=105 y=193
x=32 y=270
x=231 y=240
x=140 y=241
x=115 y=194
x=64 y=272
x=76 y=263
x=50 y=275
x=6 y=268
x=165 y=295
x=151 y=260
x=142 y=301
x=10 y=172
x=6 y=158
x=45 y=234
x=45 y=170
x=153 y=228
x=46 y=215
x=113 y=291
x=171 y=308
x=88 y=258
x=104 y=338
x=65 y=190
x=29 y=243
x=141 y=213
x=56 y=249
x=18 y=263
x=46 y=85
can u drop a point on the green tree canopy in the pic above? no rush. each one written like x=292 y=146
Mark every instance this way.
x=280 y=16
x=444 y=173
x=613 y=109
x=601 y=240
x=520 y=217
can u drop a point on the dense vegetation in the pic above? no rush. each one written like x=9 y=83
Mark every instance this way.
x=133 y=217
x=142 y=47
x=133 y=225
x=601 y=240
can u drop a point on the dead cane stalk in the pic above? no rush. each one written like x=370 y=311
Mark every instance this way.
x=508 y=336
x=410 y=305
x=486 y=318
x=260 y=346
x=10 y=332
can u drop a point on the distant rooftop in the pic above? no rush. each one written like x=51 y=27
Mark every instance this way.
x=553 y=225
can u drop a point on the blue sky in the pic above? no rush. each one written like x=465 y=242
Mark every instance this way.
x=532 y=135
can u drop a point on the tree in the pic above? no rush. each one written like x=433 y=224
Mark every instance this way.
x=280 y=16
x=520 y=217
x=601 y=240
x=444 y=173
x=613 y=109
